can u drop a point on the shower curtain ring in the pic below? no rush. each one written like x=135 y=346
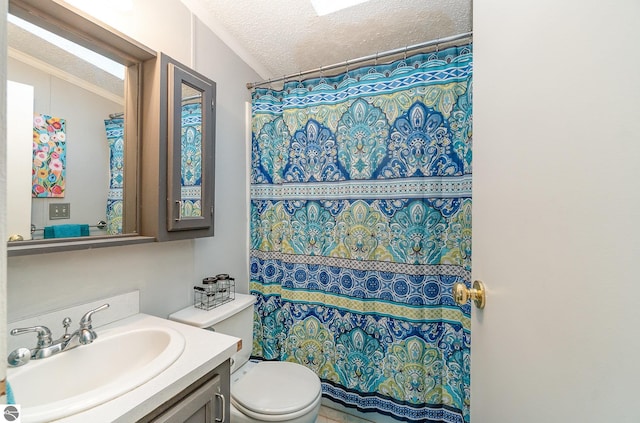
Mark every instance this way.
x=300 y=79
x=322 y=80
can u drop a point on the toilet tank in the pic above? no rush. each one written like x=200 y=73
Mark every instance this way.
x=234 y=318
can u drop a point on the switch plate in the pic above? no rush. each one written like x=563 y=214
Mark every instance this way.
x=59 y=211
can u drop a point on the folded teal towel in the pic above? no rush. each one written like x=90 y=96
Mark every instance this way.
x=10 y=398
x=66 y=231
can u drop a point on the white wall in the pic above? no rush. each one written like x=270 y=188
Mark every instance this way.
x=556 y=208
x=221 y=253
x=164 y=272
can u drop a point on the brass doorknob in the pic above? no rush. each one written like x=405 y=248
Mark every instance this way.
x=462 y=294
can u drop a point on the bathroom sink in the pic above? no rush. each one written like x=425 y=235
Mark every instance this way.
x=118 y=361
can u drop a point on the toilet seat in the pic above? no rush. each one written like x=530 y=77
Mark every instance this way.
x=262 y=393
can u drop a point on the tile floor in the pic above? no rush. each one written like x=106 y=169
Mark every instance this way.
x=329 y=415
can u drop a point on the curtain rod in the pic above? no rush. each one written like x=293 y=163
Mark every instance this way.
x=347 y=63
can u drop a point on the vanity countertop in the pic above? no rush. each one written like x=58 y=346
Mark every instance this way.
x=204 y=350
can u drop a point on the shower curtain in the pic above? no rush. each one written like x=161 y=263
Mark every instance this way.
x=115 y=137
x=360 y=226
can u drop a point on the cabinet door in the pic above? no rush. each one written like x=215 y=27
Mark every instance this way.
x=205 y=405
x=190 y=144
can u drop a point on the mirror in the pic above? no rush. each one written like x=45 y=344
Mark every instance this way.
x=190 y=152
x=83 y=141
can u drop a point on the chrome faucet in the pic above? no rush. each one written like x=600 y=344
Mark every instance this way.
x=45 y=347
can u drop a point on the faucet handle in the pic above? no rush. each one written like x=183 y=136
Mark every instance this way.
x=18 y=357
x=44 y=334
x=85 y=321
x=66 y=322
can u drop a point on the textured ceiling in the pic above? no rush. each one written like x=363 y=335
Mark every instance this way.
x=281 y=37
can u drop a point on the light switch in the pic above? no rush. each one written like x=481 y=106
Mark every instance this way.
x=59 y=211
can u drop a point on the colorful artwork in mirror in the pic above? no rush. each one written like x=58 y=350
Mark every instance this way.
x=49 y=156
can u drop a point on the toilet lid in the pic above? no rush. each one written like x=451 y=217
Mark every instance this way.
x=275 y=387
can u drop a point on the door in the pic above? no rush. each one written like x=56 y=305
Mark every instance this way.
x=205 y=405
x=191 y=133
x=556 y=212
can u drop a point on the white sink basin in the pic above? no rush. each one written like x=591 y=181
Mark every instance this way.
x=118 y=361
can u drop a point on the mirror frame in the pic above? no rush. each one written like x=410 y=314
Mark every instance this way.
x=83 y=29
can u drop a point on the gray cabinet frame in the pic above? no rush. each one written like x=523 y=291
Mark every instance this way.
x=160 y=167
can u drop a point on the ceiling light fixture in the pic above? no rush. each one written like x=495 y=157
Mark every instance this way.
x=324 y=7
x=104 y=63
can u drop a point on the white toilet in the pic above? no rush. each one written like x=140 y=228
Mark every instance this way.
x=260 y=391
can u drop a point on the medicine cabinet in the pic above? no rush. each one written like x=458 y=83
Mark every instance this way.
x=177 y=197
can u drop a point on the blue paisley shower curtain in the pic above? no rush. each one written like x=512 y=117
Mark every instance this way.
x=360 y=226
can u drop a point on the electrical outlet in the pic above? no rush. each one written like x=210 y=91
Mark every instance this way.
x=59 y=211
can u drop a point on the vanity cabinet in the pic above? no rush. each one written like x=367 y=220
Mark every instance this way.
x=206 y=401
x=178 y=141
x=202 y=406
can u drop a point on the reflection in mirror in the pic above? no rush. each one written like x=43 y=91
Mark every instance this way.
x=191 y=152
x=76 y=140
